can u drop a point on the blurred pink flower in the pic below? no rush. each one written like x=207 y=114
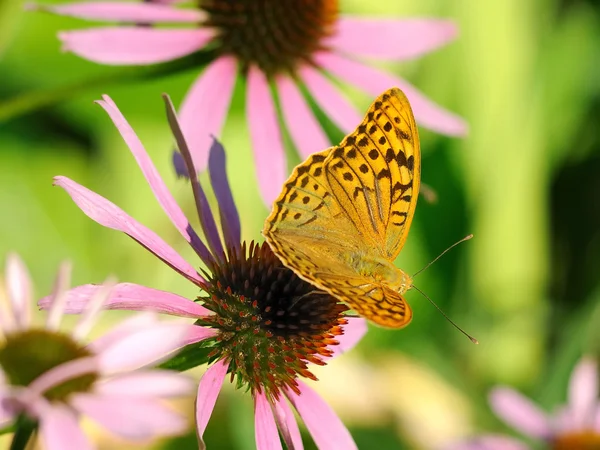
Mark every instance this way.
x=53 y=378
x=291 y=43
x=575 y=426
x=251 y=314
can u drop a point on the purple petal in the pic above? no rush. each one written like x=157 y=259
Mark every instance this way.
x=59 y=429
x=58 y=297
x=147 y=384
x=132 y=297
x=204 y=109
x=353 y=333
x=322 y=422
x=266 y=434
x=394 y=39
x=230 y=219
x=520 y=413
x=158 y=186
x=306 y=132
x=143 y=347
x=125 y=12
x=109 y=215
x=131 y=418
x=207 y=221
x=19 y=291
x=208 y=391
x=329 y=98
x=134 y=45
x=374 y=82
x=179 y=165
x=490 y=442
x=267 y=144
x=286 y=422
x=583 y=393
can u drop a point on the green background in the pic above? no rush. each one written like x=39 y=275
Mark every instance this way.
x=525 y=182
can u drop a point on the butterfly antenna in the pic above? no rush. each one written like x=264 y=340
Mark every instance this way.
x=472 y=339
x=466 y=238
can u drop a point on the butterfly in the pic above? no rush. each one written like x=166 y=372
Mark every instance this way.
x=344 y=214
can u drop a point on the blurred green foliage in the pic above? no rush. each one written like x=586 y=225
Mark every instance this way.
x=526 y=182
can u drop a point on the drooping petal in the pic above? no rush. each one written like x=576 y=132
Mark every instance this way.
x=520 y=413
x=92 y=309
x=134 y=45
x=147 y=384
x=230 y=219
x=286 y=422
x=204 y=109
x=266 y=434
x=109 y=215
x=59 y=296
x=158 y=186
x=304 y=128
x=374 y=82
x=329 y=98
x=125 y=12
x=322 y=422
x=353 y=333
x=208 y=391
x=489 y=442
x=131 y=418
x=583 y=392
x=19 y=290
x=132 y=297
x=393 y=39
x=267 y=144
x=60 y=430
x=143 y=347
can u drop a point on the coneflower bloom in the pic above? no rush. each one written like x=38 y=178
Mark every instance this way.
x=52 y=377
x=264 y=324
x=575 y=426
x=287 y=44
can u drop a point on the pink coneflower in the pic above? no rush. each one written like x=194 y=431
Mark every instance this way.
x=52 y=378
x=575 y=426
x=264 y=324
x=286 y=44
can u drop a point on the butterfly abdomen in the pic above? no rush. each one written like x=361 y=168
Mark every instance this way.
x=379 y=270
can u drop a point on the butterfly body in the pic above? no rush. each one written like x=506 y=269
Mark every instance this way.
x=344 y=214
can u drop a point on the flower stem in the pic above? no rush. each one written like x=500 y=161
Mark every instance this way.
x=32 y=101
x=25 y=428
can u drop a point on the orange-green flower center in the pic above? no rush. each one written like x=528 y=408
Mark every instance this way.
x=582 y=440
x=275 y=35
x=28 y=354
x=271 y=324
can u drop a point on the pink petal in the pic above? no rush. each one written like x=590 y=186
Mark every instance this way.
x=127 y=327
x=59 y=296
x=132 y=297
x=286 y=422
x=148 y=384
x=143 y=347
x=204 y=109
x=126 y=12
x=304 y=128
x=269 y=154
x=134 y=45
x=490 y=442
x=60 y=430
x=19 y=290
x=374 y=82
x=131 y=418
x=394 y=39
x=109 y=215
x=329 y=98
x=322 y=422
x=583 y=392
x=267 y=437
x=62 y=373
x=208 y=391
x=198 y=333
x=353 y=333
x=158 y=186
x=92 y=310
x=520 y=413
